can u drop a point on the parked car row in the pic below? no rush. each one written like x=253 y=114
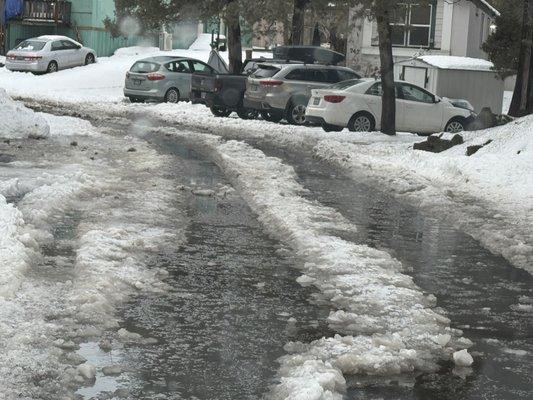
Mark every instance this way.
x=47 y=54
x=330 y=96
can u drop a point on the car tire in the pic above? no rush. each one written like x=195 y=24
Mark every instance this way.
x=89 y=59
x=331 y=128
x=247 y=113
x=220 y=111
x=455 y=125
x=296 y=114
x=362 y=122
x=271 y=116
x=172 y=96
x=52 y=67
x=136 y=100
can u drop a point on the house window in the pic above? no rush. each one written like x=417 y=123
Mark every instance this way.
x=412 y=25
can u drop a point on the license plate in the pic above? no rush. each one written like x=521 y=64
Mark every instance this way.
x=137 y=82
x=316 y=101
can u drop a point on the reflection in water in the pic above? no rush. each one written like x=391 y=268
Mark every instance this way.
x=485 y=296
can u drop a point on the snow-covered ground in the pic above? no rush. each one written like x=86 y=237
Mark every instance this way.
x=81 y=214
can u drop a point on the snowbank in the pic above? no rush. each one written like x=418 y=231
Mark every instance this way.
x=135 y=51
x=17 y=121
x=455 y=62
x=390 y=326
x=2 y=61
x=203 y=42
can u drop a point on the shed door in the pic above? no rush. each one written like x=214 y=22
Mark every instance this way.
x=416 y=76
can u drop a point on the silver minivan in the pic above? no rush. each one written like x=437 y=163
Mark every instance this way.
x=163 y=78
x=283 y=90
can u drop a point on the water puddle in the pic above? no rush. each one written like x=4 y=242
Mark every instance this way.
x=485 y=296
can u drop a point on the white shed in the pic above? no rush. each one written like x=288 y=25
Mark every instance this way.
x=467 y=78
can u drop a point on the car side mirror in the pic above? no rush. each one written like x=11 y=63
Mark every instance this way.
x=437 y=99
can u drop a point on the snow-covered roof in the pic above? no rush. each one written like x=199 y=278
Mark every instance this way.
x=487 y=6
x=454 y=62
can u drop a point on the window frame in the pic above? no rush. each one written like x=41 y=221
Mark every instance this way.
x=407 y=25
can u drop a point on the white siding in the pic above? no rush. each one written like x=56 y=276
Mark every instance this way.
x=438 y=24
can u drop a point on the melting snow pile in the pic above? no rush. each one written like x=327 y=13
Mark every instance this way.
x=389 y=325
x=17 y=121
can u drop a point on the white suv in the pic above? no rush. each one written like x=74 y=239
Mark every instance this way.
x=283 y=90
x=356 y=104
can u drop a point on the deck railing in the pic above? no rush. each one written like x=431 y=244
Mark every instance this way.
x=49 y=11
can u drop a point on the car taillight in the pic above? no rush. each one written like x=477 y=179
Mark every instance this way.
x=334 y=99
x=155 y=77
x=11 y=57
x=271 y=83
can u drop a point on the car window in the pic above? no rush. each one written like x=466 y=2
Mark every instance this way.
x=333 y=76
x=296 y=75
x=201 y=68
x=178 y=66
x=145 y=67
x=345 y=75
x=316 y=75
x=265 y=71
x=57 y=46
x=30 y=45
x=377 y=90
x=346 y=84
x=413 y=93
x=68 y=45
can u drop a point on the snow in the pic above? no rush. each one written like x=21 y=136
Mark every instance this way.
x=389 y=325
x=136 y=51
x=120 y=208
x=2 y=60
x=17 y=121
x=462 y=358
x=455 y=62
x=203 y=42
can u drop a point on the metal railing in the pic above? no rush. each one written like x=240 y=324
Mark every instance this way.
x=49 y=11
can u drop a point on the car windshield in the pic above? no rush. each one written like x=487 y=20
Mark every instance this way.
x=346 y=84
x=145 y=67
x=265 y=71
x=30 y=45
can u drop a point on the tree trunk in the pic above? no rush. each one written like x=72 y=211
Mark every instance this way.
x=316 y=36
x=388 y=114
x=234 y=45
x=298 y=21
x=522 y=102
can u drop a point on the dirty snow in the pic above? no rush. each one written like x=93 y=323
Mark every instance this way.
x=58 y=291
x=17 y=121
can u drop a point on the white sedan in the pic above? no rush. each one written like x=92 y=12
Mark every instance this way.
x=356 y=104
x=48 y=54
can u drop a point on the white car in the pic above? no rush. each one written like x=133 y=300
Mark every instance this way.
x=48 y=54
x=356 y=104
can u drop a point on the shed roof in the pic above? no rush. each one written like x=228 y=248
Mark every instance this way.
x=487 y=7
x=454 y=62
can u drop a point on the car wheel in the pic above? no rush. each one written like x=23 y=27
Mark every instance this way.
x=331 y=128
x=296 y=114
x=136 y=100
x=172 y=95
x=271 y=116
x=220 y=111
x=455 y=125
x=247 y=113
x=52 y=67
x=362 y=122
x=89 y=59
